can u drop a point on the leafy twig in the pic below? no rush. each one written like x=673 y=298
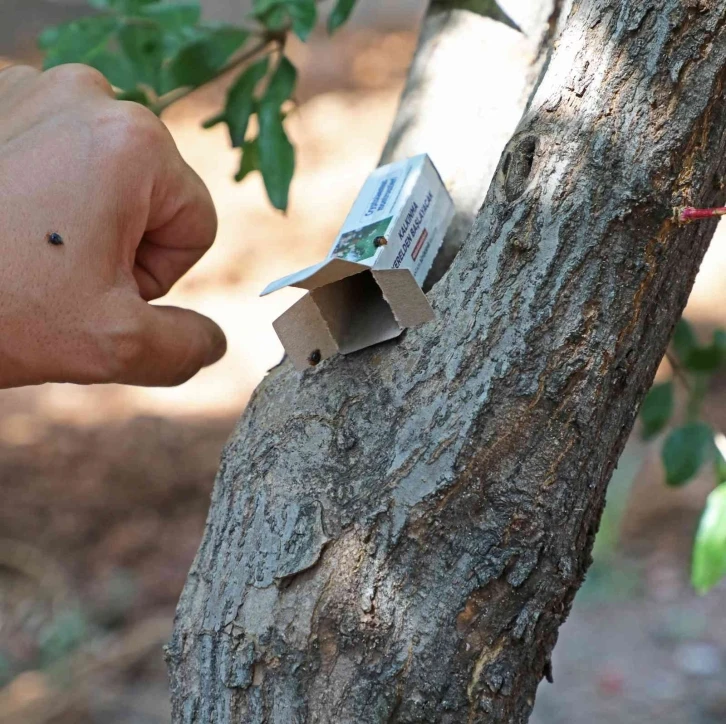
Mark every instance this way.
x=177 y=94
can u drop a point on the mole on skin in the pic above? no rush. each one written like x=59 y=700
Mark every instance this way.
x=55 y=239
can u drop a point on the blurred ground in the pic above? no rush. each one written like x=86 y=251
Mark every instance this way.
x=105 y=490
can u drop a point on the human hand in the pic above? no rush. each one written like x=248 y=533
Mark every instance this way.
x=105 y=177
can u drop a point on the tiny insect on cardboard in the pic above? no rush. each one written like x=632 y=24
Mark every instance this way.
x=368 y=289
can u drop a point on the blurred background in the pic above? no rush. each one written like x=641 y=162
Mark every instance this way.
x=105 y=490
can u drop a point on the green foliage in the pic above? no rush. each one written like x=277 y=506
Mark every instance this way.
x=690 y=445
x=78 y=41
x=720 y=464
x=281 y=85
x=156 y=51
x=142 y=45
x=121 y=6
x=486 y=8
x=657 y=409
x=685 y=450
x=709 y=550
x=275 y=152
x=339 y=14
x=250 y=159
x=271 y=151
x=241 y=103
x=699 y=358
x=301 y=15
x=173 y=18
x=684 y=340
x=200 y=60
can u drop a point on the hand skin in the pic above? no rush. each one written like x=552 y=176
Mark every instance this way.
x=107 y=177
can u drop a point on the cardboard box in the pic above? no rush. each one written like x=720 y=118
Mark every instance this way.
x=368 y=288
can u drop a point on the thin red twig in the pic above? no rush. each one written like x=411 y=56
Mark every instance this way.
x=689 y=213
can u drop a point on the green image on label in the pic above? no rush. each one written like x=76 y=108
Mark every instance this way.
x=359 y=244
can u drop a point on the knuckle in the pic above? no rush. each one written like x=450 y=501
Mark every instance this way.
x=129 y=129
x=120 y=350
x=13 y=73
x=78 y=75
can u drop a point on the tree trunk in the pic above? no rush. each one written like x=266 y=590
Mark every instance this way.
x=397 y=535
x=435 y=117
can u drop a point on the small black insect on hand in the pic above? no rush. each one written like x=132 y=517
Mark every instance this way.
x=55 y=239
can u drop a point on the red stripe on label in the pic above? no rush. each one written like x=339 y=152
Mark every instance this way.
x=419 y=244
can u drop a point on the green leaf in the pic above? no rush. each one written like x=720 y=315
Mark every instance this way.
x=214 y=120
x=282 y=83
x=705 y=359
x=173 y=18
x=720 y=460
x=685 y=450
x=262 y=6
x=250 y=159
x=486 y=8
x=339 y=14
x=696 y=358
x=304 y=15
x=241 y=102
x=49 y=37
x=121 y=6
x=684 y=340
x=709 y=549
x=199 y=61
x=144 y=47
x=657 y=409
x=276 y=155
x=711 y=358
x=276 y=18
x=74 y=42
x=175 y=40
x=118 y=69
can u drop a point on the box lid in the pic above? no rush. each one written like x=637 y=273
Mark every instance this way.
x=318 y=275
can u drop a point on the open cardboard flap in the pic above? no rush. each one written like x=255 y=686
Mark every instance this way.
x=351 y=313
x=317 y=275
x=368 y=289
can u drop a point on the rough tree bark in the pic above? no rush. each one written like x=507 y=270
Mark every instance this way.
x=396 y=536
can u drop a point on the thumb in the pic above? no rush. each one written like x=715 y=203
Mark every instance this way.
x=171 y=345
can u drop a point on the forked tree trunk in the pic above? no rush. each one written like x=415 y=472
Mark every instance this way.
x=396 y=535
